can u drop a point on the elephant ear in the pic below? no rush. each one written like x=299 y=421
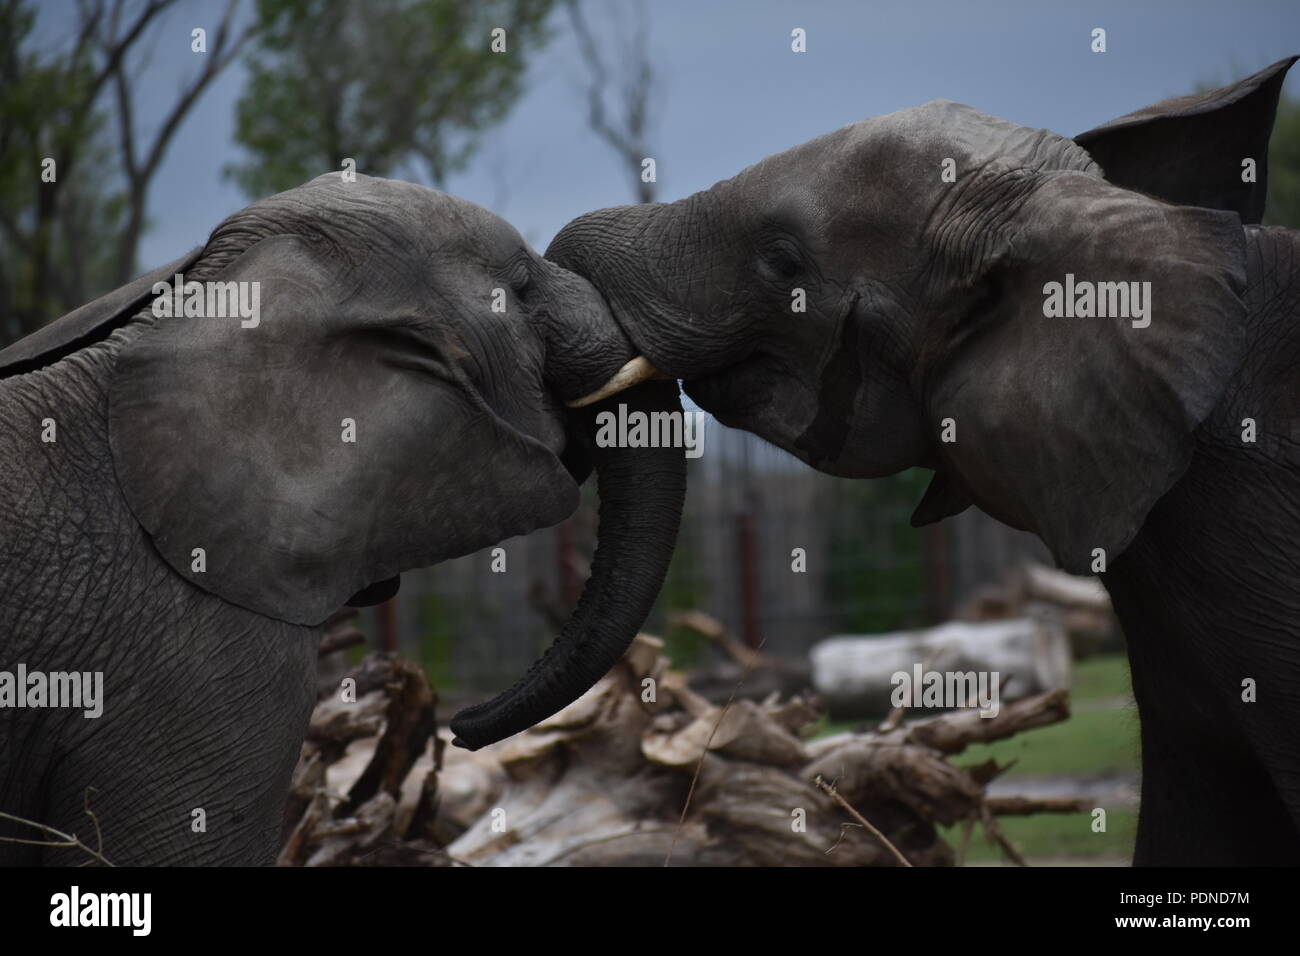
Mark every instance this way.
x=230 y=443
x=1189 y=150
x=943 y=498
x=90 y=322
x=1075 y=427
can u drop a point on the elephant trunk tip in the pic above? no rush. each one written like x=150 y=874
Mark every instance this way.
x=641 y=493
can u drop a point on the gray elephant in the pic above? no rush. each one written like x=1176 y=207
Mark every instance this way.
x=351 y=379
x=1088 y=338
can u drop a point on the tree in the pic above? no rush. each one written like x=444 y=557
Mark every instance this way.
x=42 y=101
x=141 y=156
x=73 y=204
x=398 y=86
x=625 y=128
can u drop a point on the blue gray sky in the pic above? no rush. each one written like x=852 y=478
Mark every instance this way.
x=732 y=92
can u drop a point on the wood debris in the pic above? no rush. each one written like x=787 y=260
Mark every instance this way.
x=604 y=781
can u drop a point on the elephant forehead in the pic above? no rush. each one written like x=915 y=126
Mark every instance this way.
x=906 y=148
x=397 y=219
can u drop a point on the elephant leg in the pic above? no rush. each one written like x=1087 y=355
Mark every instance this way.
x=1267 y=714
x=1208 y=802
x=191 y=766
x=1207 y=797
x=24 y=779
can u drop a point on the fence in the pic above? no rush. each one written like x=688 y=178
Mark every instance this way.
x=753 y=513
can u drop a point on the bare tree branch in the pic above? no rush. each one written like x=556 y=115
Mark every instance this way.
x=628 y=134
x=140 y=173
x=64 y=148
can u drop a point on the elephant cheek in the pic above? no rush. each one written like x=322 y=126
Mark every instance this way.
x=761 y=398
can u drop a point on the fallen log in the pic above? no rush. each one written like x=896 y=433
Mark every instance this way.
x=1080 y=606
x=857 y=675
x=389 y=701
x=641 y=770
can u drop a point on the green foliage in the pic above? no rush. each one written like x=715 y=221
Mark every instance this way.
x=392 y=84
x=56 y=238
x=437 y=641
x=683 y=590
x=1284 y=166
x=876 y=563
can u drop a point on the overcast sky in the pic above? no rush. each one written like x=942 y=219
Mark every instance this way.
x=732 y=91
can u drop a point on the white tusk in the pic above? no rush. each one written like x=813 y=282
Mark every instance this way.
x=633 y=373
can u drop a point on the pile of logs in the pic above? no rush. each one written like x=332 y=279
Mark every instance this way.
x=640 y=771
x=353 y=818
x=857 y=675
x=1079 y=606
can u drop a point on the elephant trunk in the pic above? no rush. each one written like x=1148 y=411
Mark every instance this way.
x=641 y=494
x=650 y=262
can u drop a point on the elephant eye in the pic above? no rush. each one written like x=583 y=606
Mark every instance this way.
x=780 y=262
x=987 y=296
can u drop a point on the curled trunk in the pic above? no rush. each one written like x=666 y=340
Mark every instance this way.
x=641 y=493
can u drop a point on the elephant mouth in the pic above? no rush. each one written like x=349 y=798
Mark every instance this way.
x=763 y=396
x=722 y=394
x=757 y=392
x=576 y=455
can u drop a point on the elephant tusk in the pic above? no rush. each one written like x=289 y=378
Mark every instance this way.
x=633 y=373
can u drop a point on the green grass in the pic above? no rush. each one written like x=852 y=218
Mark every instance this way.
x=1053 y=836
x=1089 y=743
x=1100 y=678
x=1097 y=739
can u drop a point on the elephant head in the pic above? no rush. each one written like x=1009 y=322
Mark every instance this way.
x=397 y=399
x=876 y=299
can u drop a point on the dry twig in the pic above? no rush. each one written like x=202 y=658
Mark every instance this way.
x=695 y=778
x=61 y=839
x=831 y=792
x=995 y=832
x=1024 y=806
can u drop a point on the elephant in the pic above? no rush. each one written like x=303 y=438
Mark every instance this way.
x=190 y=487
x=1146 y=431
